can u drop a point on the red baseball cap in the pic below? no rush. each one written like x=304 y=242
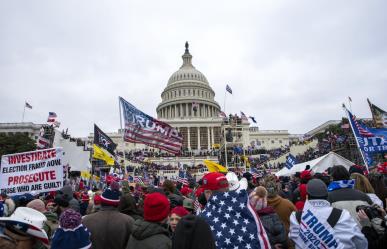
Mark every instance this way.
x=214 y=181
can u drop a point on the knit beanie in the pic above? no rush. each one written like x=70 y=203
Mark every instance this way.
x=156 y=207
x=111 y=195
x=179 y=211
x=37 y=204
x=71 y=234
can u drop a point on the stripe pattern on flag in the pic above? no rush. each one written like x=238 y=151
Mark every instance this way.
x=142 y=128
x=182 y=178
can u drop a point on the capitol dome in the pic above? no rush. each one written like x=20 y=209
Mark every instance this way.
x=188 y=94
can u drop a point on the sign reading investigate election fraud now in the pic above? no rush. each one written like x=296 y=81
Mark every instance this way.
x=38 y=171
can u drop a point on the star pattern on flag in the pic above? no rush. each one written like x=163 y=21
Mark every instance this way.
x=233 y=223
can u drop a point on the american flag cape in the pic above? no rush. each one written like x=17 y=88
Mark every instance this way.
x=234 y=223
x=142 y=128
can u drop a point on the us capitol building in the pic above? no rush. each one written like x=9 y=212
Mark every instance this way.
x=188 y=104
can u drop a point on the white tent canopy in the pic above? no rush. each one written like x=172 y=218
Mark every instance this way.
x=317 y=165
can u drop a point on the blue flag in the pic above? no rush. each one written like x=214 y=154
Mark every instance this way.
x=371 y=140
x=290 y=161
x=233 y=222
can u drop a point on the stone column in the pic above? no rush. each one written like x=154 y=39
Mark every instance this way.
x=175 y=116
x=181 y=110
x=198 y=138
x=212 y=135
x=186 y=110
x=189 y=138
x=208 y=138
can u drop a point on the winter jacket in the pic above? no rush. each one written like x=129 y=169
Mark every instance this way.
x=68 y=193
x=346 y=232
x=128 y=206
x=349 y=199
x=375 y=199
x=149 y=235
x=109 y=228
x=273 y=226
x=283 y=208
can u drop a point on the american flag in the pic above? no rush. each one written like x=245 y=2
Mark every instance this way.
x=243 y=116
x=142 y=128
x=363 y=131
x=182 y=178
x=233 y=222
x=137 y=179
x=197 y=207
x=42 y=143
x=28 y=105
x=51 y=117
x=228 y=89
x=254 y=172
x=222 y=115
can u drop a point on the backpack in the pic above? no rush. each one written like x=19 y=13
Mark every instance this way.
x=332 y=219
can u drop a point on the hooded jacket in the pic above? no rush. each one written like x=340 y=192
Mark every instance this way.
x=349 y=199
x=346 y=231
x=273 y=226
x=68 y=193
x=283 y=208
x=109 y=228
x=128 y=206
x=149 y=235
x=193 y=232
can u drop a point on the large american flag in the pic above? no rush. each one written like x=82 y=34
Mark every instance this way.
x=234 y=223
x=142 y=128
x=182 y=178
x=363 y=131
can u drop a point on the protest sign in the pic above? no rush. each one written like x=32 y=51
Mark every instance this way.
x=38 y=171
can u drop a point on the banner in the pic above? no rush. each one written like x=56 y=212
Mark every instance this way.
x=103 y=141
x=142 y=128
x=214 y=167
x=39 y=171
x=370 y=140
x=101 y=154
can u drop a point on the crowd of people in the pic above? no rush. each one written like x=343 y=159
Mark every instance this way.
x=338 y=209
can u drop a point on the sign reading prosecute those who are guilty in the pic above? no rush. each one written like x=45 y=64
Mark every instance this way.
x=38 y=171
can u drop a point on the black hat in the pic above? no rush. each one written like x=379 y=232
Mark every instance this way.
x=317 y=188
x=193 y=232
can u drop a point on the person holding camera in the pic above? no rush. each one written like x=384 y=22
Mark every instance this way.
x=374 y=223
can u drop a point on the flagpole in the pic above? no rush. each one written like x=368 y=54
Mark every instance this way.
x=350 y=103
x=224 y=102
x=123 y=152
x=354 y=134
x=24 y=110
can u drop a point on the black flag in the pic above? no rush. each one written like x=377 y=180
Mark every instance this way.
x=104 y=141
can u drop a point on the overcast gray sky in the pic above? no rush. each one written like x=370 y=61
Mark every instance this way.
x=291 y=64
